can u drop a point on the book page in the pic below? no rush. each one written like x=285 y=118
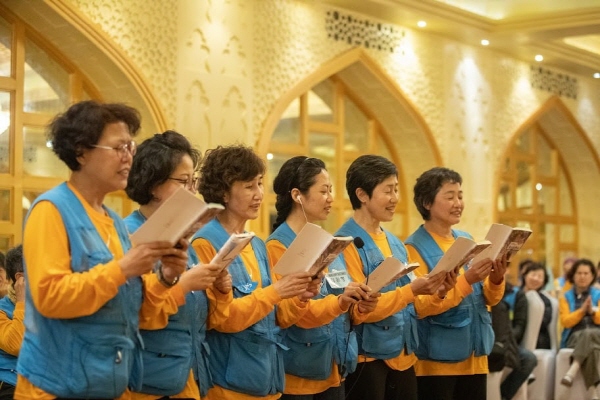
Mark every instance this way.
x=304 y=250
x=498 y=234
x=179 y=215
x=461 y=252
x=387 y=272
x=232 y=247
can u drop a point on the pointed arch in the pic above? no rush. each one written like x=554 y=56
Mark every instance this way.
x=111 y=70
x=579 y=162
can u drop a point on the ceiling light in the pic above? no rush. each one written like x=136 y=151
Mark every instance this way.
x=539 y=58
x=485 y=42
x=421 y=24
x=269 y=156
x=597 y=75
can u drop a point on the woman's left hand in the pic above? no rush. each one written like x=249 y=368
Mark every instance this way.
x=499 y=268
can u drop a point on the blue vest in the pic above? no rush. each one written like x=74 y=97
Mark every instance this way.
x=95 y=356
x=387 y=338
x=510 y=298
x=454 y=335
x=570 y=297
x=8 y=362
x=312 y=351
x=249 y=361
x=171 y=352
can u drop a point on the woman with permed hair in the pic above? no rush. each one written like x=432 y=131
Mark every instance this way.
x=453 y=344
x=88 y=288
x=163 y=164
x=244 y=328
x=322 y=346
x=579 y=311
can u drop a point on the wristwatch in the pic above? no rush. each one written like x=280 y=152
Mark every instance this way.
x=162 y=280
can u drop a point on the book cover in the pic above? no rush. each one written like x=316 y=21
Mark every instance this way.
x=180 y=216
x=232 y=247
x=387 y=272
x=460 y=253
x=312 y=250
x=515 y=242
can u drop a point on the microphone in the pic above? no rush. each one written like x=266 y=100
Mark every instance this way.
x=359 y=243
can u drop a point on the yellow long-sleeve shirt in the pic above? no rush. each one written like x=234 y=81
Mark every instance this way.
x=389 y=303
x=12 y=330
x=230 y=315
x=569 y=319
x=492 y=293
x=58 y=292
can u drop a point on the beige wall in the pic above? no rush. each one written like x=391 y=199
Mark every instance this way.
x=219 y=69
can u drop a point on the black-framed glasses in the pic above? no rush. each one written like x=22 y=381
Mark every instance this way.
x=122 y=149
x=187 y=183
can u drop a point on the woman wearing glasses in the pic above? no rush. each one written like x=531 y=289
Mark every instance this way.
x=162 y=164
x=87 y=287
x=322 y=345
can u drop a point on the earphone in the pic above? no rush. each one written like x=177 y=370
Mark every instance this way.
x=298 y=198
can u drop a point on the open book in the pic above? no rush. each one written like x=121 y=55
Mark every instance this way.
x=388 y=271
x=180 y=216
x=232 y=247
x=505 y=240
x=312 y=250
x=461 y=252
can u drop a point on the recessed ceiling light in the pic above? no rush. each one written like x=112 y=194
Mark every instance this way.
x=485 y=42
x=539 y=58
x=597 y=75
x=421 y=24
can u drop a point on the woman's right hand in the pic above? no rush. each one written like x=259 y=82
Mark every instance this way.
x=140 y=259
x=20 y=287
x=586 y=306
x=427 y=284
x=354 y=292
x=479 y=271
x=293 y=285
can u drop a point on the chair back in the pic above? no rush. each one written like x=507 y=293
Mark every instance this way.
x=535 y=314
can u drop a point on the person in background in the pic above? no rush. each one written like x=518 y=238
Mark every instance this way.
x=387 y=337
x=580 y=316
x=509 y=320
x=12 y=313
x=162 y=164
x=87 y=287
x=453 y=346
x=535 y=278
x=318 y=359
x=562 y=284
x=3 y=281
x=244 y=334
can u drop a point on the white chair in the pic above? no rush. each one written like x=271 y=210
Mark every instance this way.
x=493 y=385
x=562 y=392
x=543 y=386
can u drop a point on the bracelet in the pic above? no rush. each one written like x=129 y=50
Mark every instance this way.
x=163 y=281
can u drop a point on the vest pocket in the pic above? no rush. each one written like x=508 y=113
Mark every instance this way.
x=101 y=369
x=484 y=333
x=250 y=366
x=384 y=339
x=310 y=353
x=449 y=338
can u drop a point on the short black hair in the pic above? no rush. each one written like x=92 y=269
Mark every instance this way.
x=154 y=162
x=429 y=184
x=82 y=125
x=577 y=264
x=366 y=172
x=223 y=166
x=14 y=262
x=534 y=266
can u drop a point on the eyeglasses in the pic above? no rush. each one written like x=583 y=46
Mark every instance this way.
x=122 y=149
x=187 y=183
